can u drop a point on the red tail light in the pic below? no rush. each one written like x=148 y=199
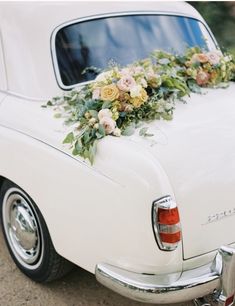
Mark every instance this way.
x=229 y=301
x=166 y=223
x=168 y=216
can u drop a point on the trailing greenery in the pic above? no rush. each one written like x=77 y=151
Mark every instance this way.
x=121 y=98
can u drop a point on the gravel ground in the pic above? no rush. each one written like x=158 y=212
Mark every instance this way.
x=77 y=288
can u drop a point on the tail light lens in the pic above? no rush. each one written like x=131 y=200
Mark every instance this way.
x=166 y=223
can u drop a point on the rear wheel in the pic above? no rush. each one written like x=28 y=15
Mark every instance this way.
x=27 y=236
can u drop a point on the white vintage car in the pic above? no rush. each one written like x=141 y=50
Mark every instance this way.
x=153 y=223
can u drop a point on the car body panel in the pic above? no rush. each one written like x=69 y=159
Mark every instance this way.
x=186 y=148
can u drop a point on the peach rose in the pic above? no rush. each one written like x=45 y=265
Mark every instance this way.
x=202 y=78
x=128 y=108
x=109 y=93
x=200 y=57
x=109 y=124
x=124 y=96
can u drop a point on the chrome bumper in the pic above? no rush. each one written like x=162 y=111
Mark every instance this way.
x=219 y=276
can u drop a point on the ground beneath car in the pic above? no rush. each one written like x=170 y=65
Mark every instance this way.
x=77 y=288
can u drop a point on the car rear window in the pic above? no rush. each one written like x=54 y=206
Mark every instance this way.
x=121 y=40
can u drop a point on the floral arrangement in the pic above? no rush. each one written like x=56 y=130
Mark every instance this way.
x=121 y=98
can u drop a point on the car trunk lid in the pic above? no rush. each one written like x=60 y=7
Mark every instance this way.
x=197 y=151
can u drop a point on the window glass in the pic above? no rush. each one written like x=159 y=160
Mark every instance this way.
x=122 y=40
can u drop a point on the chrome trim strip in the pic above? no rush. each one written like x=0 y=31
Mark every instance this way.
x=218 y=275
x=99 y=16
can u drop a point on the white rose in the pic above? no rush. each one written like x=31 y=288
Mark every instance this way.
x=214 y=57
x=144 y=83
x=109 y=124
x=117 y=132
x=105 y=113
x=136 y=91
x=103 y=76
x=228 y=58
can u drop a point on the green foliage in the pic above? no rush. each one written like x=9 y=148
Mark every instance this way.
x=157 y=83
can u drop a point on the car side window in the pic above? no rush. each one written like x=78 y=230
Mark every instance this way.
x=3 y=80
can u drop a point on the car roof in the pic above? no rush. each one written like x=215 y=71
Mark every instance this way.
x=26 y=29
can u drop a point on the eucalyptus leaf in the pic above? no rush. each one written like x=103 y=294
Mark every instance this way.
x=69 y=138
x=57 y=115
x=94 y=113
x=101 y=130
x=49 y=103
x=106 y=104
x=130 y=130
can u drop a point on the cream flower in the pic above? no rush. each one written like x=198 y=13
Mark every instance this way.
x=105 y=113
x=136 y=102
x=126 y=83
x=136 y=91
x=96 y=93
x=117 y=132
x=138 y=70
x=143 y=83
x=92 y=121
x=141 y=99
x=109 y=124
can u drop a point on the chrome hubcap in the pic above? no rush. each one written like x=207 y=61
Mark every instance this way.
x=21 y=228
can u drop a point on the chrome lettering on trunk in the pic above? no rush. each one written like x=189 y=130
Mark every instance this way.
x=219 y=216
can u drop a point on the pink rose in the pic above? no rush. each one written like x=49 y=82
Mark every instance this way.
x=109 y=124
x=214 y=57
x=125 y=71
x=202 y=78
x=126 y=83
x=96 y=94
x=138 y=70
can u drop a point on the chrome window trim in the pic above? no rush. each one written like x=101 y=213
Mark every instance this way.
x=100 y=16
